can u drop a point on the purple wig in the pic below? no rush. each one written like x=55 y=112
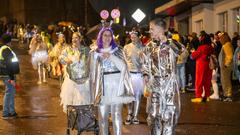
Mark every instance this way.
x=99 y=38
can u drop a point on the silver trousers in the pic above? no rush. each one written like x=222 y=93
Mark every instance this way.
x=41 y=72
x=134 y=107
x=162 y=117
x=116 y=113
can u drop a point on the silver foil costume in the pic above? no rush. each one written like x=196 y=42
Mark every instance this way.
x=109 y=80
x=160 y=67
x=134 y=60
x=75 y=89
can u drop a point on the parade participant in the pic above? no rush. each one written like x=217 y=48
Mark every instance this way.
x=109 y=76
x=38 y=50
x=161 y=79
x=75 y=87
x=8 y=61
x=46 y=39
x=133 y=55
x=56 y=66
x=20 y=34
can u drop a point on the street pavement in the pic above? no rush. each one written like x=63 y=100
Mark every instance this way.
x=40 y=113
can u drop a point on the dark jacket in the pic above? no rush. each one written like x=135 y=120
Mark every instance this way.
x=8 y=55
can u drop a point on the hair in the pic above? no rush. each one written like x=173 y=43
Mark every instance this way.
x=235 y=34
x=137 y=33
x=99 y=38
x=217 y=33
x=211 y=35
x=159 y=22
x=6 y=38
x=194 y=35
x=224 y=38
x=205 y=38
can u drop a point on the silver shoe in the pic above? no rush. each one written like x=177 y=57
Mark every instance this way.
x=128 y=120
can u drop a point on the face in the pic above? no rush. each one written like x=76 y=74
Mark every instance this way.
x=190 y=38
x=134 y=38
x=61 y=39
x=216 y=37
x=212 y=39
x=38 y=38
x=238 y=42
x=106 y=38
x=75 y=39
x=156 y=31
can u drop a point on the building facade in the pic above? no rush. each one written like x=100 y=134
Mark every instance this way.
x=211 y=16
x=44 y=12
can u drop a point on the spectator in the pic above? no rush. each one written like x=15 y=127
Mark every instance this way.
x=234 y=40
x=226 y=63
x=215 y=94
x=181 y=61
x=236 y=61
x=203 y=72
x=191 y=64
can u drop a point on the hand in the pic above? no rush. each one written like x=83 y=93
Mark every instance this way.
x=141 y=54
x=12 y=82
x=192 y=50
x=68 y=61
x=146 y=79
x=163 y=38
x=106 y=55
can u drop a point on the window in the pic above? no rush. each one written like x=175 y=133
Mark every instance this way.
x=223 y=22
x=236 y=12
x=199 y=26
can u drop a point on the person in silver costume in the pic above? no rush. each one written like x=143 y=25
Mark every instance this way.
x=109 y=80
x=75 y=89
x=133 y=54
x=161 y=79
x=38 y=50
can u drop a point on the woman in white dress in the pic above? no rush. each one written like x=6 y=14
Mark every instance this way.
x=75 y=87
x=38 y=50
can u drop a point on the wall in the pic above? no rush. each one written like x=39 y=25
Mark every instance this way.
x=202 y=12
x=44 y=12
x=223 y=6
x=16 y=10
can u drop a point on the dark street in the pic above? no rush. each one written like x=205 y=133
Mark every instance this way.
x=40 y=113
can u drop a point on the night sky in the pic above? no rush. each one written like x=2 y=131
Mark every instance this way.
x=127 y=7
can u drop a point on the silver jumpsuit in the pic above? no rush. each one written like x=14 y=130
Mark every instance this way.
x=134 y=61
x=160 y=67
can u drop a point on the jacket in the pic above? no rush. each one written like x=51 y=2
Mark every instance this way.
x=6 y=57
x=226 y=55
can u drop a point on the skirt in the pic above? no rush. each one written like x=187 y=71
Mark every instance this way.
x=137 y=83
x=74 y=94
x=110 y=91
x=39 y=57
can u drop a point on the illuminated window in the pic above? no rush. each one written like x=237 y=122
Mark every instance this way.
x=236 y=15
